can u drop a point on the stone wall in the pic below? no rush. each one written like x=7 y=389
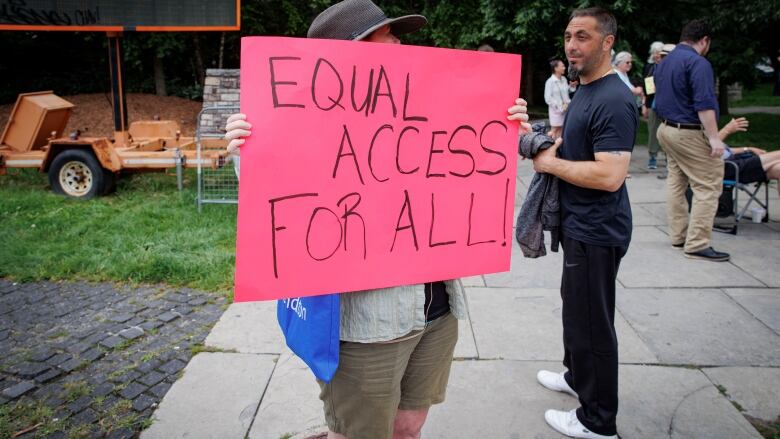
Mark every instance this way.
x=221 y=89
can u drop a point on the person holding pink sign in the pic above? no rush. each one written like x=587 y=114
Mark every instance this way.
x=397 y=343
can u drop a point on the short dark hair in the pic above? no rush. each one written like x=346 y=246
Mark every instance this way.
x=554 y=63
x=605 y=19
x=695 y=30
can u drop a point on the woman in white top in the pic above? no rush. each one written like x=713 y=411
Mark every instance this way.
x=623 y=63
x=556 y=94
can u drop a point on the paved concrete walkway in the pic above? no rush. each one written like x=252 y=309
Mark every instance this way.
x=697 y=340
x=746 y=110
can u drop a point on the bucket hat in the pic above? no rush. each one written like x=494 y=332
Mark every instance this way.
x=356 y=19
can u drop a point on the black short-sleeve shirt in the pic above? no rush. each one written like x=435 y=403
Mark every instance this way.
x=601 y=117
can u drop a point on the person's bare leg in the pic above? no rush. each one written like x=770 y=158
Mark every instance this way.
x=769 y=159
x=773 y=173
x=408 y=423
x=555 y=132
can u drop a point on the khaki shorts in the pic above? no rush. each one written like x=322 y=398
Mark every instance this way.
x=374 y=380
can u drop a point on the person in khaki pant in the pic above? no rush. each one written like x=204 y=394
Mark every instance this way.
x=686 y=103
x=690 y=163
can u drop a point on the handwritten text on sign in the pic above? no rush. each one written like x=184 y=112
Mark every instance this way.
x=372 y=165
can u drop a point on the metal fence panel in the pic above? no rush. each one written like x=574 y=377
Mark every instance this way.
x=215 y=186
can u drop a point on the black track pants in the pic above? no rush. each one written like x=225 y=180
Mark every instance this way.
x=589 y=339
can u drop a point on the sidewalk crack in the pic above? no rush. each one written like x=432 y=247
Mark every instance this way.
x=670 y=432
x=262 y=396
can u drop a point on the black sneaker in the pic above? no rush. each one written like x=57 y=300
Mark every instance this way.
x=680 y=245
x=708 y=254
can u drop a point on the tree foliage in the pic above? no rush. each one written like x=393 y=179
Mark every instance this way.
x=745 y=31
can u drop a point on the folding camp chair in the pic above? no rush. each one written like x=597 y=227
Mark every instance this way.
x=728 y=204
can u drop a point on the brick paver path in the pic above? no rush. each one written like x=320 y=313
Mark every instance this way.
x=97 y=354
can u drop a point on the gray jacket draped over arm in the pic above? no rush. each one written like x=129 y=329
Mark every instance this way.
x=541 y=208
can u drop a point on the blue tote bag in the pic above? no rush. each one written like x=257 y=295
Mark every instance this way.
x=311 y=329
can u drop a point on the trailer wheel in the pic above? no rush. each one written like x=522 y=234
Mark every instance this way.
x=77 y=174
x=109 y=182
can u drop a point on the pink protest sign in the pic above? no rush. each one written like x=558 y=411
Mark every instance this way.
x=372 y=165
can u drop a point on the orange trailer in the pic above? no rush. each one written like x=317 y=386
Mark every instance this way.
x=85 y=167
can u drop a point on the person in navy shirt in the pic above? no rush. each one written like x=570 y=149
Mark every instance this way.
x=686 y=103
x=592 y=164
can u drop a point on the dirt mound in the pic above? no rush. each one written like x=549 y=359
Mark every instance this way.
x=93 y=115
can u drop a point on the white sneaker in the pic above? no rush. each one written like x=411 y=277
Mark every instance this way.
x=567 y=423
x=555 y=381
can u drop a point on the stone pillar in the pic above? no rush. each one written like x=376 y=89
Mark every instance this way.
x=735 y=92
x=221 y=88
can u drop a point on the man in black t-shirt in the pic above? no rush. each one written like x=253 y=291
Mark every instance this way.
x=594 y=154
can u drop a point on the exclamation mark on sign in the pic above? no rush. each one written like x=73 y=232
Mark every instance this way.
x=506 y=198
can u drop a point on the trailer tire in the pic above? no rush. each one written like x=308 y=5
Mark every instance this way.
x=109 y=182
x=76 y=173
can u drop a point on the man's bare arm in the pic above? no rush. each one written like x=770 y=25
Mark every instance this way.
x=710 y=124
x=607 y=172
x=707 y=118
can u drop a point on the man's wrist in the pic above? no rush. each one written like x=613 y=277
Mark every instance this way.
x=550 y=165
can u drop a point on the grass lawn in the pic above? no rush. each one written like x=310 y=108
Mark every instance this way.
x=761 y=95
x=764 y=131
x=146 y=232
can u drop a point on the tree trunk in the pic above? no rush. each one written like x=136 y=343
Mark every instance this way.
x=159 y=77
x=221 y=50
x=723 y=98
x=200 y=72
x=527 y=82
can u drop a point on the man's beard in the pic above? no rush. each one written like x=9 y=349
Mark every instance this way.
x=573 y=74
x=586 y=66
